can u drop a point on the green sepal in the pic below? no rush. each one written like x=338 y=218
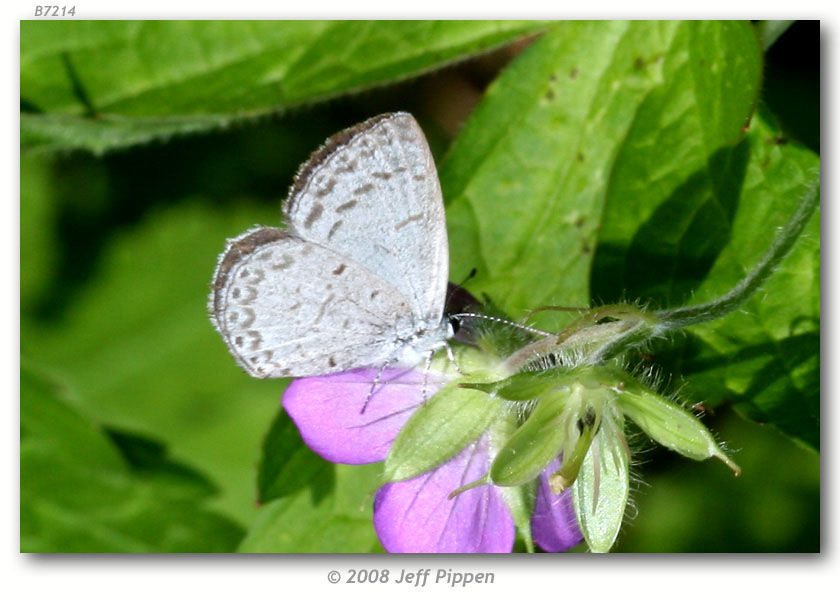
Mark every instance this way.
x=440 y=429
x=483 y=480
x=670 y=424
x=602 y=486
x=521 y=387
x=520 y=499
x=568 y=472
x=537 y=442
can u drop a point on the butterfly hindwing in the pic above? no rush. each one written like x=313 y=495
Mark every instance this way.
x=290 y=308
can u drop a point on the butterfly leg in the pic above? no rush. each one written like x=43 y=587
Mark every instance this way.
x=377 y=378
x=451 y=356
x=426 y=371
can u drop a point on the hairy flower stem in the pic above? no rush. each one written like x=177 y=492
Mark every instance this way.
x=604 y=332
x=591 y=331
x=676 y=318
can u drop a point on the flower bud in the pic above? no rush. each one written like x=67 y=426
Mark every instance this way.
x=669 y=424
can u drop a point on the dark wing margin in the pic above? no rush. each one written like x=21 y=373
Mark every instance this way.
x=333 y=144
x=237 y=249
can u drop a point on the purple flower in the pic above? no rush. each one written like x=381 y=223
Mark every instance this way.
x=417 y=515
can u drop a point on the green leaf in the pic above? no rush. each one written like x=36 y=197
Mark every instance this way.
x=338 y=519
x=57 y=132
x=520 y=387
x=37 y=246
x=766 y=357
x=78 y=494
x=602 y=487
x=439 y=429
x=644 y=104
x=286 y=465
x=106 y=84
x=617 y=154
x=151 y=462
x=138 y=346
x=47 y=421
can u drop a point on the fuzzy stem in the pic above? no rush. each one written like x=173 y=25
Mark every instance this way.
x=700 y=313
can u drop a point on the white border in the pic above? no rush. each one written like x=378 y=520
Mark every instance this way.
x=567 y=576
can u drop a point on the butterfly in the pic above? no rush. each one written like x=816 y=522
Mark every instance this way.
x=358 y=277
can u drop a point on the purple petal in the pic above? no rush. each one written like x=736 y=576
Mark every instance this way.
x=554 y=524
x=418 y=516
x=328 y=411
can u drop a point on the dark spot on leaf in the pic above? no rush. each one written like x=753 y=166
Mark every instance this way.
x=574 y=73
x=639 y=64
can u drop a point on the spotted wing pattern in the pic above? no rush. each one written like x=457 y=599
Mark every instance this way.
x=289 y=308
x=372 y=194
x=359 y=276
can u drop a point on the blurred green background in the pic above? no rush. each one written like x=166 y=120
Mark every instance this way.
x=117 y=252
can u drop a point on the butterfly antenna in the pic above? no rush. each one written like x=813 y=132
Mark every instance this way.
x=533 y=330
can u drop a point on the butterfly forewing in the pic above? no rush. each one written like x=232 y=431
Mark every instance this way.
x=372 y=194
